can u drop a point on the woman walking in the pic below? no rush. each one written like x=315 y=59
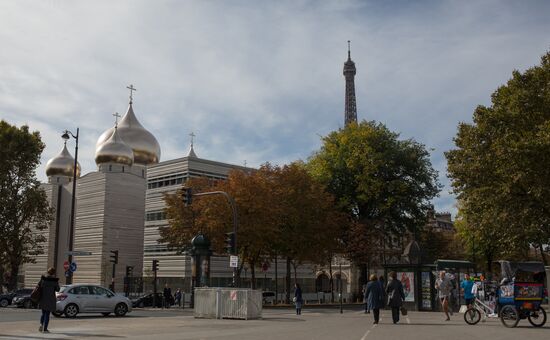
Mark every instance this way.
x=48 y=285
x=375 y=295
x=396 y=295
x=298 y=298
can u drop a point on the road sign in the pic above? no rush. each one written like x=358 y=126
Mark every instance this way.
x=66 y=265
x=233 y=295
x=233 y=261
x=67 y=273
x=265 y=267
x=79 y=253
x=72 y=267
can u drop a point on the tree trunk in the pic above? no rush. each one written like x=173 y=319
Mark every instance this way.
x=542 y=255
x=331 y=281
x=253 y=274
x=12 y=279
x=287 y=281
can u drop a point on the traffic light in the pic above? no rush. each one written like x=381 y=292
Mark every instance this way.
x=114 y=256
x=230 y=243
x=129 y=270
x=187 y=196
x=155 y=265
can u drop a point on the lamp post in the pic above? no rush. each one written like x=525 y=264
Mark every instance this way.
x=66 y=136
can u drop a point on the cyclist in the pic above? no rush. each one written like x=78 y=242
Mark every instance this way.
x=467 y=285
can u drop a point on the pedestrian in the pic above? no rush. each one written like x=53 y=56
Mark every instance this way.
x=366 y=298
x=382 y=286
x=467 y=286
x=49 y=284
x=177 y=296
x=396 y=295
x=167 y=295
x=298 y=298
x=375 y=295
x=444 y=286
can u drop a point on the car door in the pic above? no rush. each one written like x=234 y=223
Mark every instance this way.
x=83 y=299
x=103 y=299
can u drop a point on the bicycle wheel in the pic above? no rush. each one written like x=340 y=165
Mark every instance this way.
x=472 y=316
x=509 y=316
x=537 y=317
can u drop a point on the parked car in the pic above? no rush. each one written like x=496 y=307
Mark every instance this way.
x=147 y=300
x=24 y=301
x=268 y=297
x=87 y=298
x=7 y=299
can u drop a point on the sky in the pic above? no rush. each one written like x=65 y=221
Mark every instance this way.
x=259 y=81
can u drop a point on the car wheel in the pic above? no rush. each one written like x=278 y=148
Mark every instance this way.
x=141 y=304
x=105 y=314
x=71 y=310
x=57 y=314
x=121 y=309
x=4 y=303
x=27 y=304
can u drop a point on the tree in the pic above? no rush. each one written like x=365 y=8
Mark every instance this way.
x=382 y=183
x=23 y=204
x=500 y=168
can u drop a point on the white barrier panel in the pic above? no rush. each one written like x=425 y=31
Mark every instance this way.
x=228 y=303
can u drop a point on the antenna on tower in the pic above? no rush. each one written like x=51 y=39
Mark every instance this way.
x=349 y=49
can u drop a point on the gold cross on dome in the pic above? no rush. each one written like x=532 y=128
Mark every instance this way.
x=117 y=116
x=132 y=89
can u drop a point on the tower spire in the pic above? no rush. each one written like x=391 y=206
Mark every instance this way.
x=350 y=112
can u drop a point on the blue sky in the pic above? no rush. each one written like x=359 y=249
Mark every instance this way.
x=259 y=80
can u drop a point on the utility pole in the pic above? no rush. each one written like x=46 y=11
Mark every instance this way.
x=114 y=261
x=155 y=268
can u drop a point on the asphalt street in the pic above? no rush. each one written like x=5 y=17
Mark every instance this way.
x=316 y=323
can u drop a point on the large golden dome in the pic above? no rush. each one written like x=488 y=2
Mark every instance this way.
x=114 y=150
x=144 y=145
x=62 y=165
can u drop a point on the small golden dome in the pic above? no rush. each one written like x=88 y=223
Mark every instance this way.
x=114 y=150
x=62 y=165
x=144 y=145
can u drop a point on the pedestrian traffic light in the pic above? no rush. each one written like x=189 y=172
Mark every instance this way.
x=230 y=243
x=114 y=256
x=155 y=265
x=187 y=196
x=129 y=270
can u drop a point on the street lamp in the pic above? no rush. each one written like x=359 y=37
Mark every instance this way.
x=66 y=136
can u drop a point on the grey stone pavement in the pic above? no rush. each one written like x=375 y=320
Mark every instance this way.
x=319 y=323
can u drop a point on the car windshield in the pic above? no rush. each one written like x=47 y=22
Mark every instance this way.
x=62 y=289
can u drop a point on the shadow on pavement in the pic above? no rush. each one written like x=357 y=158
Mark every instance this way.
x=282 y=319
x=49 y=336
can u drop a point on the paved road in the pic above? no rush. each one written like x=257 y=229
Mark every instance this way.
x=276 y=324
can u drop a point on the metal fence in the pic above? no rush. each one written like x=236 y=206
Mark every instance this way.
x=228 y=303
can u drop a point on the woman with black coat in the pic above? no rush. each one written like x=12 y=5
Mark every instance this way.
x=396 y=296
x=48 y=285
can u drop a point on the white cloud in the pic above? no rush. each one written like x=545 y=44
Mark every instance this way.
x=258 y=80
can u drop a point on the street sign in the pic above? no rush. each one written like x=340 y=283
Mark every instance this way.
x=233 y=295
x=66 y=265
x=67 y=273
x=79 y=253
x=265 y=267
x=233 y=261
x=72 y=267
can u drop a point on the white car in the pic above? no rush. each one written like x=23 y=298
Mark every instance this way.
x=87 y=298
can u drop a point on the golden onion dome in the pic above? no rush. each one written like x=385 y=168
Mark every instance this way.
x=62 y=165
x=114 y=150
x=144 y=145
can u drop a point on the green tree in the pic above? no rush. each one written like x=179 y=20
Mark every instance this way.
x=384 y=184
x=500 y=168
x=23 y=204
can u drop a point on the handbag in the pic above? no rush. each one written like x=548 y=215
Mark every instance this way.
x=404 y=311
x=36 y=293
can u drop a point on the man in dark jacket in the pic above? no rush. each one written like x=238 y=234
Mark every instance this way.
x=167 y=296
x=396 y=295
x=49 y=285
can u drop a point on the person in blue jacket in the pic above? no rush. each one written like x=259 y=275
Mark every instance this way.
x=298 y=298
x=375 y=296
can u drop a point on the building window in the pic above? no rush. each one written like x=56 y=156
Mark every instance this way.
x=155 y=216
x=123 y=168
x=110 y=168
